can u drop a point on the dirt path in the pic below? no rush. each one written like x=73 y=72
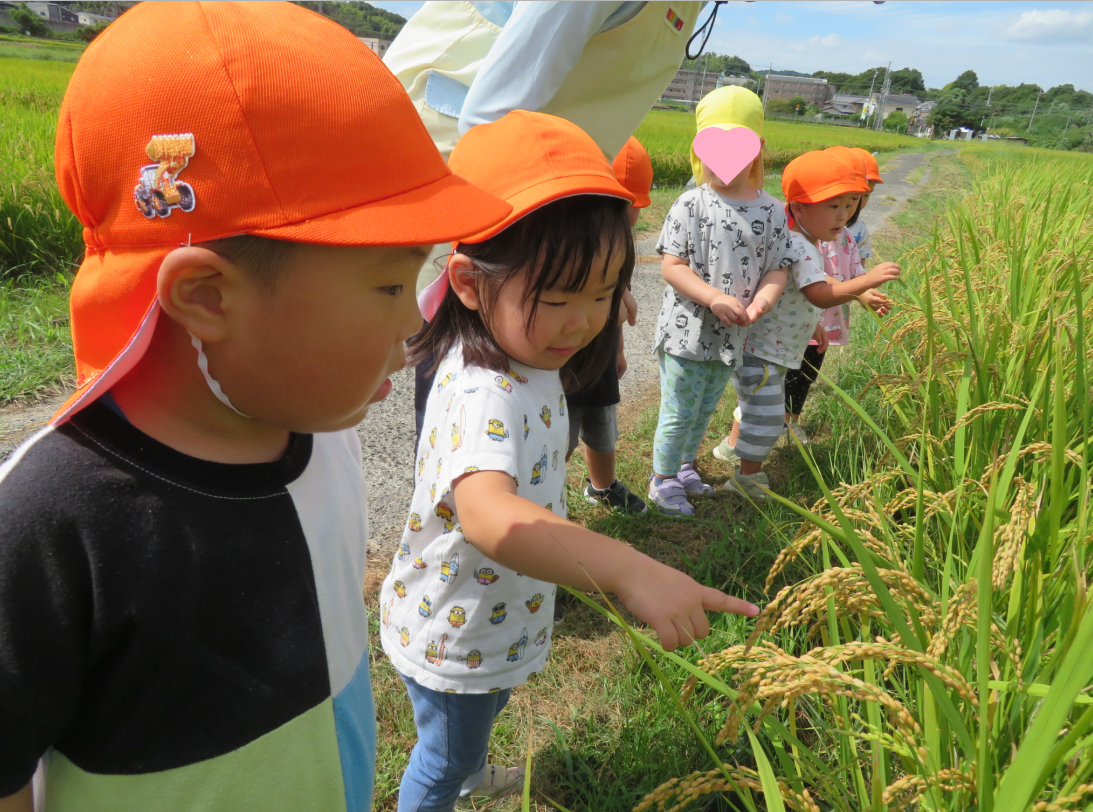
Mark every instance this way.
x=388 y=434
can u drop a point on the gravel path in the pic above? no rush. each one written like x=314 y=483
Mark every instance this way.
x=387 y=435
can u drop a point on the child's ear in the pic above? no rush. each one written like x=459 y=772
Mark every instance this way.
x=461 y=280
x=192 y=284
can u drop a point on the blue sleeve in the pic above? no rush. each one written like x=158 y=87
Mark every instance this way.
x=536 y=50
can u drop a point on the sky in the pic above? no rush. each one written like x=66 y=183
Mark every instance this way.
x=1046 y=42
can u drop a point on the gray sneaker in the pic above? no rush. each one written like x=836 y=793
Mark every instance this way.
x=725 y=452
x=753 y=486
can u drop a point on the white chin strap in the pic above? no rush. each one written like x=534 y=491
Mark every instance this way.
x=214 y=385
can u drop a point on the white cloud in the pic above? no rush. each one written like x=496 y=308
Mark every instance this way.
x=830 y=41
x=1051 y=25
x=779 y=17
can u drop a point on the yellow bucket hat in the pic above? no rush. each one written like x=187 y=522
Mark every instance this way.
x=727 y=108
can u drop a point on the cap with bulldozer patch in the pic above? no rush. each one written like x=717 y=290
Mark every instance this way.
x=266 y=119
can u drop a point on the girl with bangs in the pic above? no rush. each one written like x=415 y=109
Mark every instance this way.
x=523 y=312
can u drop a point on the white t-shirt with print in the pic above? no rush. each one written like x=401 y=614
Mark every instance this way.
x=731 y=245
x=451 y=618
x=782 y=335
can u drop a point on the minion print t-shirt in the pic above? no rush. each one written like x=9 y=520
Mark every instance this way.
x=452 y=619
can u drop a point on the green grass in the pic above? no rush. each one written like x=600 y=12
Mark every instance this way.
x=40 y=240
x=18 y=47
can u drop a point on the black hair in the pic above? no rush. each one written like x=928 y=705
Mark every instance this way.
x=857 y=211
x=262 y=258
x=561 y=244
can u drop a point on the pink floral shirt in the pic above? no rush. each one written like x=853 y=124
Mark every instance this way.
x=841 y=261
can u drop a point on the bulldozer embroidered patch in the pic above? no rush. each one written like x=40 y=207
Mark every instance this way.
x=160 y=191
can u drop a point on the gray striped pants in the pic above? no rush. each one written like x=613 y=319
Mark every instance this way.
x=760 y=390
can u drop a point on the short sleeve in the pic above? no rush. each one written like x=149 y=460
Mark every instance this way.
x=481 y=431
x=45 y=597
x=809 y=267
x=856 y=268
x=865 y=245
x=781 y=250
x=675 y=235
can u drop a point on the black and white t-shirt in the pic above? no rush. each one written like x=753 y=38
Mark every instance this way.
x=731 y=245
x=178 y=634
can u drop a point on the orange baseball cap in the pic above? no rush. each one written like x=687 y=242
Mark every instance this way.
x=255 y=118
x=854 y=159
x=818 y=176
x=528 y=160
x=634 y=170
x=872 y=168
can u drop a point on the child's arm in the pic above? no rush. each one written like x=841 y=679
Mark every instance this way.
x=771 y=286
x=620 y=359
x=534 y=541
x=677 y=273
x=22 y=801
x=832 y=292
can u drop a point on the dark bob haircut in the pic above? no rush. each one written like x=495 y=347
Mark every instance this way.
x=563 y=245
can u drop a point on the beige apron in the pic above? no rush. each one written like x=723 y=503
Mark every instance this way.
x=619 y=77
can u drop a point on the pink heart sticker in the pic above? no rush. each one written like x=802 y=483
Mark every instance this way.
x=726 y=152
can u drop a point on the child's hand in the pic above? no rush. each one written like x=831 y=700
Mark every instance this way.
x=877 y=302
x=674 y=604
x=730 y=310
x=757 y=308
x=819 y=335
x=885 y=272
x=628 y=310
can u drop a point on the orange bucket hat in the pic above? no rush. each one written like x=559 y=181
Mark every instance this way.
x=528 y=160
x=854 y=158
x=872 y=168
x=634 y=169
x=263 y=119
x=818 y=176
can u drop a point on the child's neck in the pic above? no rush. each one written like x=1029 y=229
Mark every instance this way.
x=738 y=191
x=796 y=229
x=165 y=396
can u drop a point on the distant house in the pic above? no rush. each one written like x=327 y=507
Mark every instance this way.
x=893 y=103
x=844 y=105
x=920 y=116
x=813 y=91
x=87 y=18
x=53 y=12
x=378 y=46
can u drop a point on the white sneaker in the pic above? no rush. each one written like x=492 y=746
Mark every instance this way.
x=497 y=781
x=798 y=432
x=753 y=486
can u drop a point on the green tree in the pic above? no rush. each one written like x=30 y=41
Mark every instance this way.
x=967 y=81
x=735 y=66
x=896 y=121
x=948 y=115
x=908 y=80
x=781 y=107
x=28 y=22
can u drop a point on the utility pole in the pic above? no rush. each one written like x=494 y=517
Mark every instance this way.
x=878 y=122
x=1034 y=111
x=989 y=94
x=766 y=85
x=873 y=82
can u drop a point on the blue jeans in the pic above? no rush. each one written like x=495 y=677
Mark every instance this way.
x=453 y=740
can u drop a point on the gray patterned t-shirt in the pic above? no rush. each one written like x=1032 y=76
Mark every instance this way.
x=731 y=245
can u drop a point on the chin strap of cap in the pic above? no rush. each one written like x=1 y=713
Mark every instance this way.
x=214 y=385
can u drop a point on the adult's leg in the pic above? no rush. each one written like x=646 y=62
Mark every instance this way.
x=453 y=742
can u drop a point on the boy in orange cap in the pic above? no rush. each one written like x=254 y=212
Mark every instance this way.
x=181 y=618
x=594 y=411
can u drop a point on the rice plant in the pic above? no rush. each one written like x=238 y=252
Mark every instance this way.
x=940 y=655
x=38 y=234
